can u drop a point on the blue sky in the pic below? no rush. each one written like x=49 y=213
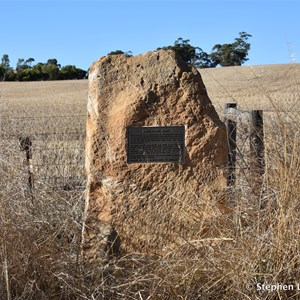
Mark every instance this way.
x=78 y=32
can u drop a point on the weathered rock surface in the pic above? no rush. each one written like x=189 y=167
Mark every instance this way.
x=143 y=207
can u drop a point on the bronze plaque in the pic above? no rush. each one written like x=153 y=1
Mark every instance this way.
x=156 y=144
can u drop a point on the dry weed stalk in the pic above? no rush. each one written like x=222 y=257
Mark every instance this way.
x=5 y=272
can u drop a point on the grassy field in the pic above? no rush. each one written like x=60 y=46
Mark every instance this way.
x=256 y=241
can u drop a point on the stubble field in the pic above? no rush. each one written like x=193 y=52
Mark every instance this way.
x=41 y=230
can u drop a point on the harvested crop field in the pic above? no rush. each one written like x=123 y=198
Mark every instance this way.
x=266 y=87
x=53 y=113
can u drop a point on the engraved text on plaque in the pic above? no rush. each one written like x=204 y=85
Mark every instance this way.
x=152 y=144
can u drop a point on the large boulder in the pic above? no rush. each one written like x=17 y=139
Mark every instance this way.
x=140 y=206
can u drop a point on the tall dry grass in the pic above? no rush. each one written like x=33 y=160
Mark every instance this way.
x=253 y=239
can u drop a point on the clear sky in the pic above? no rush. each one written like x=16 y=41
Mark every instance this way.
x=77 y=32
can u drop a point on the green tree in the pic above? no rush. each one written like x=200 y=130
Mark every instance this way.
x=26 y=71
x=71 y=72
x=40 y=75
x=5 y=61
x=2 y=72
x=30 y=74
x=29 y=61
x=10 y=75
x=127 y=54
x=188 y=53
x=21 y=65
x=4 y=66
x=51 y=68
x=53 y=61
x=234 y=54
x=204 y=61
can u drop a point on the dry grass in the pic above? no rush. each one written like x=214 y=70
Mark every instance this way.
x=256 y=241
x=53 y=115
x=266 y=87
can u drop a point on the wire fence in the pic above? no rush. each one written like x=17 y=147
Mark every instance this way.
x=261 y=142
x=56 y=149
x=56 y=127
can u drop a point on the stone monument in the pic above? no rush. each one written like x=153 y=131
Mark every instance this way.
x=153 y=139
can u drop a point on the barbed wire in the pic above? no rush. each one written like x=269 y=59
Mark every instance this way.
x=43 y=117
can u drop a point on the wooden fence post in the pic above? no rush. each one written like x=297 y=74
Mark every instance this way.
x=26 y=145
x=257 y=159
x=257 y=148
x=231 y=135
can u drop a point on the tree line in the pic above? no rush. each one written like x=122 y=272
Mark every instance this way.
x=224 y=55
x=231 y=54
x=26 y=71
